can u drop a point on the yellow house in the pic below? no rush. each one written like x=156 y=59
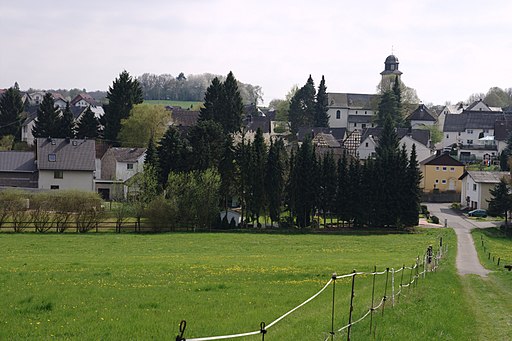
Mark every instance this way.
x=442 y=173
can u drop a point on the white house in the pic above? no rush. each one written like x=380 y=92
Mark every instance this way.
x=117 y=166
x=65 y=163
x=476 y=186
x=352 y=111
x=421 y=116
x=419 y=137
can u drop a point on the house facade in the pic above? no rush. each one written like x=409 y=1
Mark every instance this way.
x=476 y=185
x=352 y=111
x=441 y=173
x=18 y=169
x=65 y=163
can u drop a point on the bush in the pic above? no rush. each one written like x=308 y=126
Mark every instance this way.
x=455 y=205
x=434 y=219
x=161 y=213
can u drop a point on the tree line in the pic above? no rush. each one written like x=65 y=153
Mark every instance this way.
x=271 y=183
x=191 y=88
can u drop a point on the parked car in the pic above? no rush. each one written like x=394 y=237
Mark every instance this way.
x=477 y=213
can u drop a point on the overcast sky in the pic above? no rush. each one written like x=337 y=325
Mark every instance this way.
x=447 y=49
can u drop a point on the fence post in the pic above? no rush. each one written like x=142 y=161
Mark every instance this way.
x=373 y=296
x=351 y=306
x=417 y=271
x=333 y=297
x=263 y=331
x=385 y=291
x=392 y=287
x=410 y=277
x=401 y=283
x=489 y=255
x=183 y=325
x=499 y=258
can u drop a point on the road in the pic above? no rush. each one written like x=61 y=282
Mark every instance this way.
x=467 y=259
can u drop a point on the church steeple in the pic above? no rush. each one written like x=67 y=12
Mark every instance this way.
x=391 y=66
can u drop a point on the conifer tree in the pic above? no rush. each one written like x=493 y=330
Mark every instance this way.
x=274 y=179
x=11 y=107
x=257 y=199
x=397 y=91
x=388 y=106
x=88 y=126
x=303 y=106
x=501 y=200
x=124 y=93
x=171 y=154
x=47 y=122
x=412 y=195
x=303 y=183
x=227 y=171
x=243 y=161
x=342 y=199
x=67 y=124
x=151 y=155
x=212 y=101
x=232 y=107
x=328 y=186
x=321 y=117
x=207 y=141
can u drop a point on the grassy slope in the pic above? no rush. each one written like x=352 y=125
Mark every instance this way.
x=492 y=297
x=183 y=104
x=140 y=286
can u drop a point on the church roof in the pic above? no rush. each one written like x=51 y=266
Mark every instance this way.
x=353 y=101
x=421 y=114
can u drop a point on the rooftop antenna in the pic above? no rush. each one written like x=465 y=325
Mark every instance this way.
x=392 y=49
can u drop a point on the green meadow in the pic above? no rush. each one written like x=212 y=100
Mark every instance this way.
x=140 y=286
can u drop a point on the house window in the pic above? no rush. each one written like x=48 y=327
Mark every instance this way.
x=58 y=174
x=474 y=187
x=365 y=112
x=355 y=125
x=470 y=131
x=443 y=181
x=452 y=169
x=338 y=114
x=469 y=141
x=363 y=125
x=447 y=136
x=52 y=157
x=444 y=169
x=129 y=166
x=437 y=169
x=486 y=131
x=366 y=144
x=459 y=133
x=54 y=187
x=356 y=112
x=437 y=181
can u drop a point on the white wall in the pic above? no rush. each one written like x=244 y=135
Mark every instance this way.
x=122 y=171
x=81 y=180
x=366 y=148
x=26 y=133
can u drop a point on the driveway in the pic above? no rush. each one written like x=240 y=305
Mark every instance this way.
x=467 y=259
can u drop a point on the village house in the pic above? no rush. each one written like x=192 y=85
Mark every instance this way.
x=421 y=116
x=476 y=185
x=65 y=163
x=18 y=169
x=117 y=166
x=441 y=173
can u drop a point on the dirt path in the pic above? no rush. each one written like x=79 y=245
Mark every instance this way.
x=467 y=259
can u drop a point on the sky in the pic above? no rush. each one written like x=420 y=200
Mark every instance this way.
x=447 y=49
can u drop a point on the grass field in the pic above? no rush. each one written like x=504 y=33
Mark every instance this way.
x=107 y=286
x=184 y=104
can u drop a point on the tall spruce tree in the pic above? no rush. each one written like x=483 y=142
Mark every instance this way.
x=88 y=126
x=212 y=101
x=388 y=106
x=412 y=197
x=67 y=123
x=207 y=141
x=342 y=198
x=304 y=173
x=327 y=202
x=321 y=117
x=232 y=107
x=11 y=107
x=48 y=122
x=257 y=199
x=387 y=156
x=227 y=171
x=397 y=91
x=243 y=161
x=303 y=106
x=501 y=200
x=274 y=179
x=172 y=151
x=124 y=93
x=151 y=155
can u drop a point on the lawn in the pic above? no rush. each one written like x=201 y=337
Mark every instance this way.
x=129 y=286
x=492 y=296
x=184 y=104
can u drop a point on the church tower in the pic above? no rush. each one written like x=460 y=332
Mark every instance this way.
x=390 y=72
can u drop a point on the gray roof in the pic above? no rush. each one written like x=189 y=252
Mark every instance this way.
x=421 y=114
x=70 y=154
x=353 y=101
x=326 y=140
x=360 y=118
x=261 y=122
x=471 y=120
x=338 y=133
x=420 y=135
x=127 y=154
x=502 y=128
x=487 y=177
x=11 y=161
